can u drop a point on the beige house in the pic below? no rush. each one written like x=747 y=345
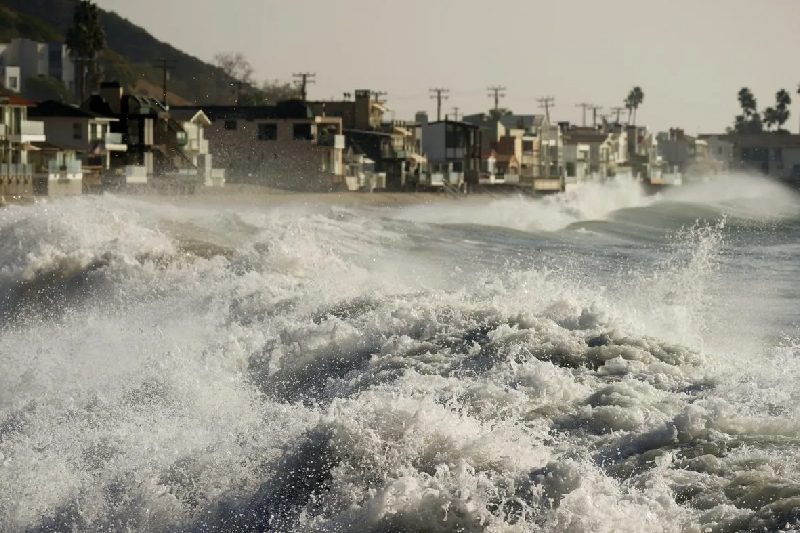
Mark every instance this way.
x=363 y=113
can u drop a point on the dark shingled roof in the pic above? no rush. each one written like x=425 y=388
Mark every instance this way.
x=183 y=115
x=290 y=109
x=52 y=108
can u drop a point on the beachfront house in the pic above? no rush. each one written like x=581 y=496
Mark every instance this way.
x=84 y=132
x=154 y=141
x=58 y=170
x=17 y=135
x=453 y=150
x=282 y=146
x=365 y=112
x=586 y=155
x=771 y=154
x=194 y=122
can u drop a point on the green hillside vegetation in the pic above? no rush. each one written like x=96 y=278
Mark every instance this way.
x=14 y=25
x=40 y=88
x=132 y=53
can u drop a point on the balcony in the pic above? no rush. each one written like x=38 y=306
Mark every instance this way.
x=15 y=170
x=135 y=174
x=29 y=131
x=115 y=139
x=70 y=167
x=331 y=141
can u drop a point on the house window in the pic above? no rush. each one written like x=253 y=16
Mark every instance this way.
x=302 y=132
x=230 y=124
x=76 y=131
x=268 y=132
x=12 y=82
x=570 y=170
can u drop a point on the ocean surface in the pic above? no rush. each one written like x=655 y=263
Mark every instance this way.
x=599 y=361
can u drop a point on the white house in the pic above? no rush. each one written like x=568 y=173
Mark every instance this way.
x=21 y=59
x=76 y=129
x=194 y=122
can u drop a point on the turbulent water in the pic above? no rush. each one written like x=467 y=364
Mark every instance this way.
x=601 y=361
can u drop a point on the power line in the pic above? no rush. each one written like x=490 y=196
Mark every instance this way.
x=439 y=95
x=496 y=92
x=618 y=110
x=165 y=65
x=377 y=95
x=546 y=102
x=303 y=79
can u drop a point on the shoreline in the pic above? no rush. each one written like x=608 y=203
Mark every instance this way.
x=246 y=194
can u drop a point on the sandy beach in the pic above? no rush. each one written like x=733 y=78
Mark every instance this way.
x=259 y=195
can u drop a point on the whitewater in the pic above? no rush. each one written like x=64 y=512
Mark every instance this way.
x=602 y=360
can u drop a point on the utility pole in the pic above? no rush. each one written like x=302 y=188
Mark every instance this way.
x=165 y=65
x=585 y=106
x=303 y=79
x=455 y=113
x=546 y=102
x=439 y=95
x=377 y=95
x=618 y=110
x=239 y=84
x=595 y=109
x=496 y=92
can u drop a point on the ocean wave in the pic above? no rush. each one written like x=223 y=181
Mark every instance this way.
x=300 y=369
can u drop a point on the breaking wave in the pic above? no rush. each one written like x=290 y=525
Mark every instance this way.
x=205 y=368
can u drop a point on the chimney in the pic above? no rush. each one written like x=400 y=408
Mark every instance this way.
x=422 y=118
x=111 y=91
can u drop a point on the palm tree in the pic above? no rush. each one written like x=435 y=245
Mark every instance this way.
x=750 y=120
x=500 y=112
x=85 y=40
x=633 y=101
x=782 y=101
x=770 y=118
x=747 y=101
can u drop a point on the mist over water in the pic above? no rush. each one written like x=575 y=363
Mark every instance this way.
x=603 y=360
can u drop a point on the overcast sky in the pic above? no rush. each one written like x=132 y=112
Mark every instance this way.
x=689 y=56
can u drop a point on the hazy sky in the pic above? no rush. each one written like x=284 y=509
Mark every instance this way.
x=689 y=56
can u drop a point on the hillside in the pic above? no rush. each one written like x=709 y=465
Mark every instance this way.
x=146 y=88
x=14 y=25
x=192 y=79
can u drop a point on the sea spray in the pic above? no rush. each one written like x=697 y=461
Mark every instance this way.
x=310 y=369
